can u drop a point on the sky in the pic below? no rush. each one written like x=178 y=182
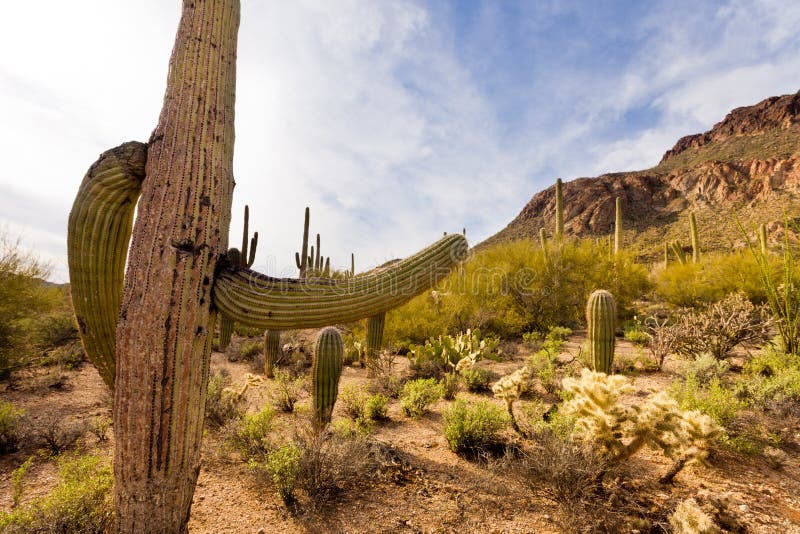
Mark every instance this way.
x=393 y=120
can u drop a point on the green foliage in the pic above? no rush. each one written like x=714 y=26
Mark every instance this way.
x=24 y=298
x=704 y=369
x=79 y=503
x=710 y=280
x=772 y=379
x=715 y=400
x=287 y=390
x=99 y=426
x=250 y=435
x=283 y=465
x=473 y=427
x=476 y=379
x=419 y=394
x=11 y=427
x=59 y=435
x=221 y=404
x=511 y=288
x=17 y=478
x=250 y=349
x=361 y=406
x=450 y=384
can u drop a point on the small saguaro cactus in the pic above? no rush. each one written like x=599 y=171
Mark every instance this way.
x=559 y=209
x=543 y=242
x=374 y=337
x=352 y=264
x=272 y=351
x=666 y=254
x=325 y=372
x=762 y=238
x=245 y=258
x=601 y=314
x=695 y=238
x=618 y=226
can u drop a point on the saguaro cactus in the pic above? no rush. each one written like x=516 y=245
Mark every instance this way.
x=272 y=351
x=325 y=372
x=559 y=209
x=762 y=239
x=601 y=314
x=177 y=266
x=301 y=258
x=543 y=242
x=618 y=226
x=695 y=238
x=245 y=258
x=677 y=248
x=374 y=337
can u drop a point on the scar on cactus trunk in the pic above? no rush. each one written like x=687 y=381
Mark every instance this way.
x=150 y=333
x=601 y=314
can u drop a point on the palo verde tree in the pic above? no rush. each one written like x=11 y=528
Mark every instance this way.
x=149 y=329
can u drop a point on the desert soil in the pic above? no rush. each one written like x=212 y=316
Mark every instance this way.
x=424 y=487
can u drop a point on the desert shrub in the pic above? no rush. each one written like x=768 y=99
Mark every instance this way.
x=12 y=429
x=622 y=430
x=689 y=518
x=247 y=331
x=58 y=434
x=450 y=385
x=476 y=379
x=17 y=479
x=23 y=298
x=99 y=427
x=56 y=329
x=375 y=407
x=419 y=394
x=250 y=435
x=511 y=288
x=772 y=380
x=532 y=339
x=80 y=502
x=704 y=369
x=635 y=332
x=722 y=326
x=473 y=427
x=283 y=466
x=250 y=349
x=222 y=404
x=361 y=406
x=710 y=280
x=287 y=390
x=715 y=400
x=662 y=337
x=542 y=365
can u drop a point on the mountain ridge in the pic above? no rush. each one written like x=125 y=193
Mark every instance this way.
x=746 y=166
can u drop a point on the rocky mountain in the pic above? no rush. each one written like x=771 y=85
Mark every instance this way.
x=747 y=167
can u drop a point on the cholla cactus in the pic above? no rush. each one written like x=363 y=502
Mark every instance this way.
x=689 y=518
x=622 y=430
x=510 y=388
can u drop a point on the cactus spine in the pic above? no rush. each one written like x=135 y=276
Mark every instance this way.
x=272 y=351
x=374 y=337
x=618 y=226
x=325 y=372
x=695 y=238
x=601 y=314
x=559 y=209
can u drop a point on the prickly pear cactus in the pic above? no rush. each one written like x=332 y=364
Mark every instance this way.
x=601 y=313
x=325 y=372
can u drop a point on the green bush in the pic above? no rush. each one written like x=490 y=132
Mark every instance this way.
x=11 y=427
x=221 y=405
x=250 y=349
x=79 y=503
x=283 y=465
x=710 y=280
x=375 y=407
x=477 y=379
x=250 y=435
x=772 y=379
x=715 y=400
x=287 y=390
x=419 y=394
x=361 y=406
x=511 y=288
x=704 y=369
x=473 y=427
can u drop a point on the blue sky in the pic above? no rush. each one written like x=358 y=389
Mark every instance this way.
x=393 y=120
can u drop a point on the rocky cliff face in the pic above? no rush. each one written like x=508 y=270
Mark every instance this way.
x=746 y=166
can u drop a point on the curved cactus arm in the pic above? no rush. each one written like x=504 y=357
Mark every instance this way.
x=258 y=300
x=98 y=234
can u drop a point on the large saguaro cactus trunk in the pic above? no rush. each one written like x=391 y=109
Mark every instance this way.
x=164 y=333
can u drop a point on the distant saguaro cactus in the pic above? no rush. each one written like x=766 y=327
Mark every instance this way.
x=559 y=209
x=695 y=238
x=601 y=314
x=325 y=372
